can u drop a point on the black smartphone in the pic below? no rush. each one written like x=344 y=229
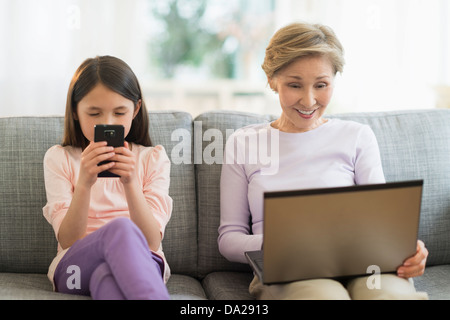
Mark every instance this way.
x=114 y=135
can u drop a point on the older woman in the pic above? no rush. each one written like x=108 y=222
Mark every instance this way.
x=301 y=63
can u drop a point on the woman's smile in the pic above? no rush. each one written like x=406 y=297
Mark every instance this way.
x=304 y=88
x=306 y=114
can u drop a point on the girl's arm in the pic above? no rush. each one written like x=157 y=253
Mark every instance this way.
x=73 y=227
x=139 y=214
x=146 y=206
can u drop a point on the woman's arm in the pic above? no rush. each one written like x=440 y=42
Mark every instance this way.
x=368 y=166
x=235 y=234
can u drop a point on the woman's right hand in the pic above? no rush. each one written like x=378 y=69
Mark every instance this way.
x=94 y=153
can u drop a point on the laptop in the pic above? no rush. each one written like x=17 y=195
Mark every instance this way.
x=337 y=232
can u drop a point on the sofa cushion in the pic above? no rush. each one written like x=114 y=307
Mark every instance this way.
x=210 y=130
x=27 y=241
x=228 y=285
x=416 y=145
x=172 y=129
x=436 y=282
x=183 y=287
x=33 y=286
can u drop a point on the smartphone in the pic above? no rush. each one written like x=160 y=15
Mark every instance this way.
x=114 y=135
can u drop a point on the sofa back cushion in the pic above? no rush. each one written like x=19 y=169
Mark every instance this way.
x=413 y=145
x=416 y=145
x=27 y=241
x=174 y=131
x=211 y=132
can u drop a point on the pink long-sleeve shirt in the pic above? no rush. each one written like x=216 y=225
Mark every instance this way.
x=337 y=153
x=108 y=201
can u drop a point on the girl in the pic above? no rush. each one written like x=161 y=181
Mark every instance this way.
x=109 y=230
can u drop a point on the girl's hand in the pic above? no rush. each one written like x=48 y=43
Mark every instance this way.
x=94 y=153
x=125 y=164
x=414 y=266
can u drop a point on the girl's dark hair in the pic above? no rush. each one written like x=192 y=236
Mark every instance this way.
x=116 y=75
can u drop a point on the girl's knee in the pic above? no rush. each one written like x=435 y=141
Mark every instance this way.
x=122 y=229
x=119 y=224
x=103 y=285
x=122 y=226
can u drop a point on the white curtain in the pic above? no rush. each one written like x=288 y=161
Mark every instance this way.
x=397 y=51
x=44 y=41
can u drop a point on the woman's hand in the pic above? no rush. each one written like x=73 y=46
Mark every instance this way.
x=125 y=164
x=414 y=266
x=94 y=153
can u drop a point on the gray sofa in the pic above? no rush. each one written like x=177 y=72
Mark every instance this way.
x=413 y=144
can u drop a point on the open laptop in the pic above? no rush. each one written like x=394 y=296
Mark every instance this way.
x=337 y=232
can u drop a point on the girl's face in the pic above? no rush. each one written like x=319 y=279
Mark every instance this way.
x=104 y=106
x=305 y=88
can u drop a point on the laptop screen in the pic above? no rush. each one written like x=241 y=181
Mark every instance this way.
x=336 y=232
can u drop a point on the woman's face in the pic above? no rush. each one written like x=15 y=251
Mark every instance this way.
x=305 y=88
x=104 y=106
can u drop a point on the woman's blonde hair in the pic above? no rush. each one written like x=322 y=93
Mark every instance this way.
x=300 y=40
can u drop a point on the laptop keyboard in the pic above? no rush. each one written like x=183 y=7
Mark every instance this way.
x=259 y=262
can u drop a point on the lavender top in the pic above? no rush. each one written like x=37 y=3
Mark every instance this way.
x=338 y=153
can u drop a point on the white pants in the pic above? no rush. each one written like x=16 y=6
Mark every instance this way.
x=391 y=287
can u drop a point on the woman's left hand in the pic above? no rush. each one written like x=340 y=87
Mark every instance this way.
x=414 y=266
x=125 y=163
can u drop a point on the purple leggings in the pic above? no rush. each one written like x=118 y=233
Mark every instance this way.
x=113 y=263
